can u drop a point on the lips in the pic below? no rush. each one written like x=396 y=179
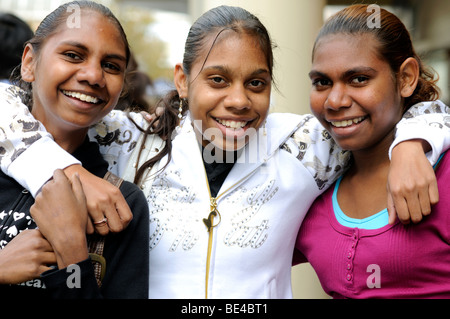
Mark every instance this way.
x=82 y=96
x=347 y=123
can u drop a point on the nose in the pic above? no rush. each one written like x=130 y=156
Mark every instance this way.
x=237 y=98
x=92 y=73
x=338 y=97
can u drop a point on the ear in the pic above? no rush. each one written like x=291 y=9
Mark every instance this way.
x=409 y=77
x=181 y=81
x=28 y=64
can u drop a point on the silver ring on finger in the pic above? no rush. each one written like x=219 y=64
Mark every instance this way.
x=100 y=222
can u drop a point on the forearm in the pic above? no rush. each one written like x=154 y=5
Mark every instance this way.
x=319 y=153
x=428 y=122
x=28 y=152
x=117 y=137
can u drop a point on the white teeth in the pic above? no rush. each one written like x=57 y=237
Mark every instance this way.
x=347 y=122
x=81 y=96
x=232 y=124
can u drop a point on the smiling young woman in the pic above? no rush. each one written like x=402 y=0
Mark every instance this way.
x=88 y=75
x=364 y=80
x=71 y=78
x=230 y=96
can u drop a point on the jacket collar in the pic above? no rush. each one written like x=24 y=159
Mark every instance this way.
x=278 y=128
x=260 y=149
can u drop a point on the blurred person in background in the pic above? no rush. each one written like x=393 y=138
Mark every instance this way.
x=14 y=32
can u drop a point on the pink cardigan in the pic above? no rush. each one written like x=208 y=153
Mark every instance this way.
x=395 y=261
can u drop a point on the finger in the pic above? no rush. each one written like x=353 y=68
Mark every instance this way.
x=123 y=212
x=117 y=211
x=90 y=227
x=115 y=222
x=147 y=116
x=43 y=269
x=391 y=210
x=159 y=110
x=40 y=242
x=77 y=188
x=401 y=207
x=49 y=258
x=424 y=202
x=414 y=208
x=101 y=226
x=96 y=215
x=433 y=193
x=59 y=175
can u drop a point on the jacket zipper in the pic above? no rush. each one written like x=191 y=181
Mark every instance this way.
x=209 y=223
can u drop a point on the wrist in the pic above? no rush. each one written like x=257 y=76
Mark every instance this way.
x=73 y=169
x=71 y=251
x=415 y=144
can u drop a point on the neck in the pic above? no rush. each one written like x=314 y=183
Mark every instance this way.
x=69 y=142
x=66 y=136
x=363 y=191
x=369 y=160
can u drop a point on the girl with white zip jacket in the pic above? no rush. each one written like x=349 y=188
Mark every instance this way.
x=220 y=229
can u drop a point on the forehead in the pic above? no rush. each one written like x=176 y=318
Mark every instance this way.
x=89 y=25
x=231 y=47
x=346 y=50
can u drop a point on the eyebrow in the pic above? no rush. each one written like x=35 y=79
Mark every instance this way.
x=85 y=48
x=347 y=74
x=225 y=69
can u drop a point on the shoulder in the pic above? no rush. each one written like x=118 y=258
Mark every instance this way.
x=282 y=126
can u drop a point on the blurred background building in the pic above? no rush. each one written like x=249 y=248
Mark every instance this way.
x=157 y=30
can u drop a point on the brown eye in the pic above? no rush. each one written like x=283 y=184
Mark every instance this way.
x=360 y=80
x=321 y=83
x=72 y=55
x=111 y=67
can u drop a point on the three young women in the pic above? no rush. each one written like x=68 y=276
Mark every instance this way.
x=230 y=184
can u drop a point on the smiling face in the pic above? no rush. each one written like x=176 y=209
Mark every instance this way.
x=77 y=76
x=229 y=95
x=354 y=93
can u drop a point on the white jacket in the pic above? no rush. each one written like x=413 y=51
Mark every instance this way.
x=261 y=205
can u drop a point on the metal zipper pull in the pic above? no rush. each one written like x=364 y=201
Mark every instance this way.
x=214 y=212
x=209 y=221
